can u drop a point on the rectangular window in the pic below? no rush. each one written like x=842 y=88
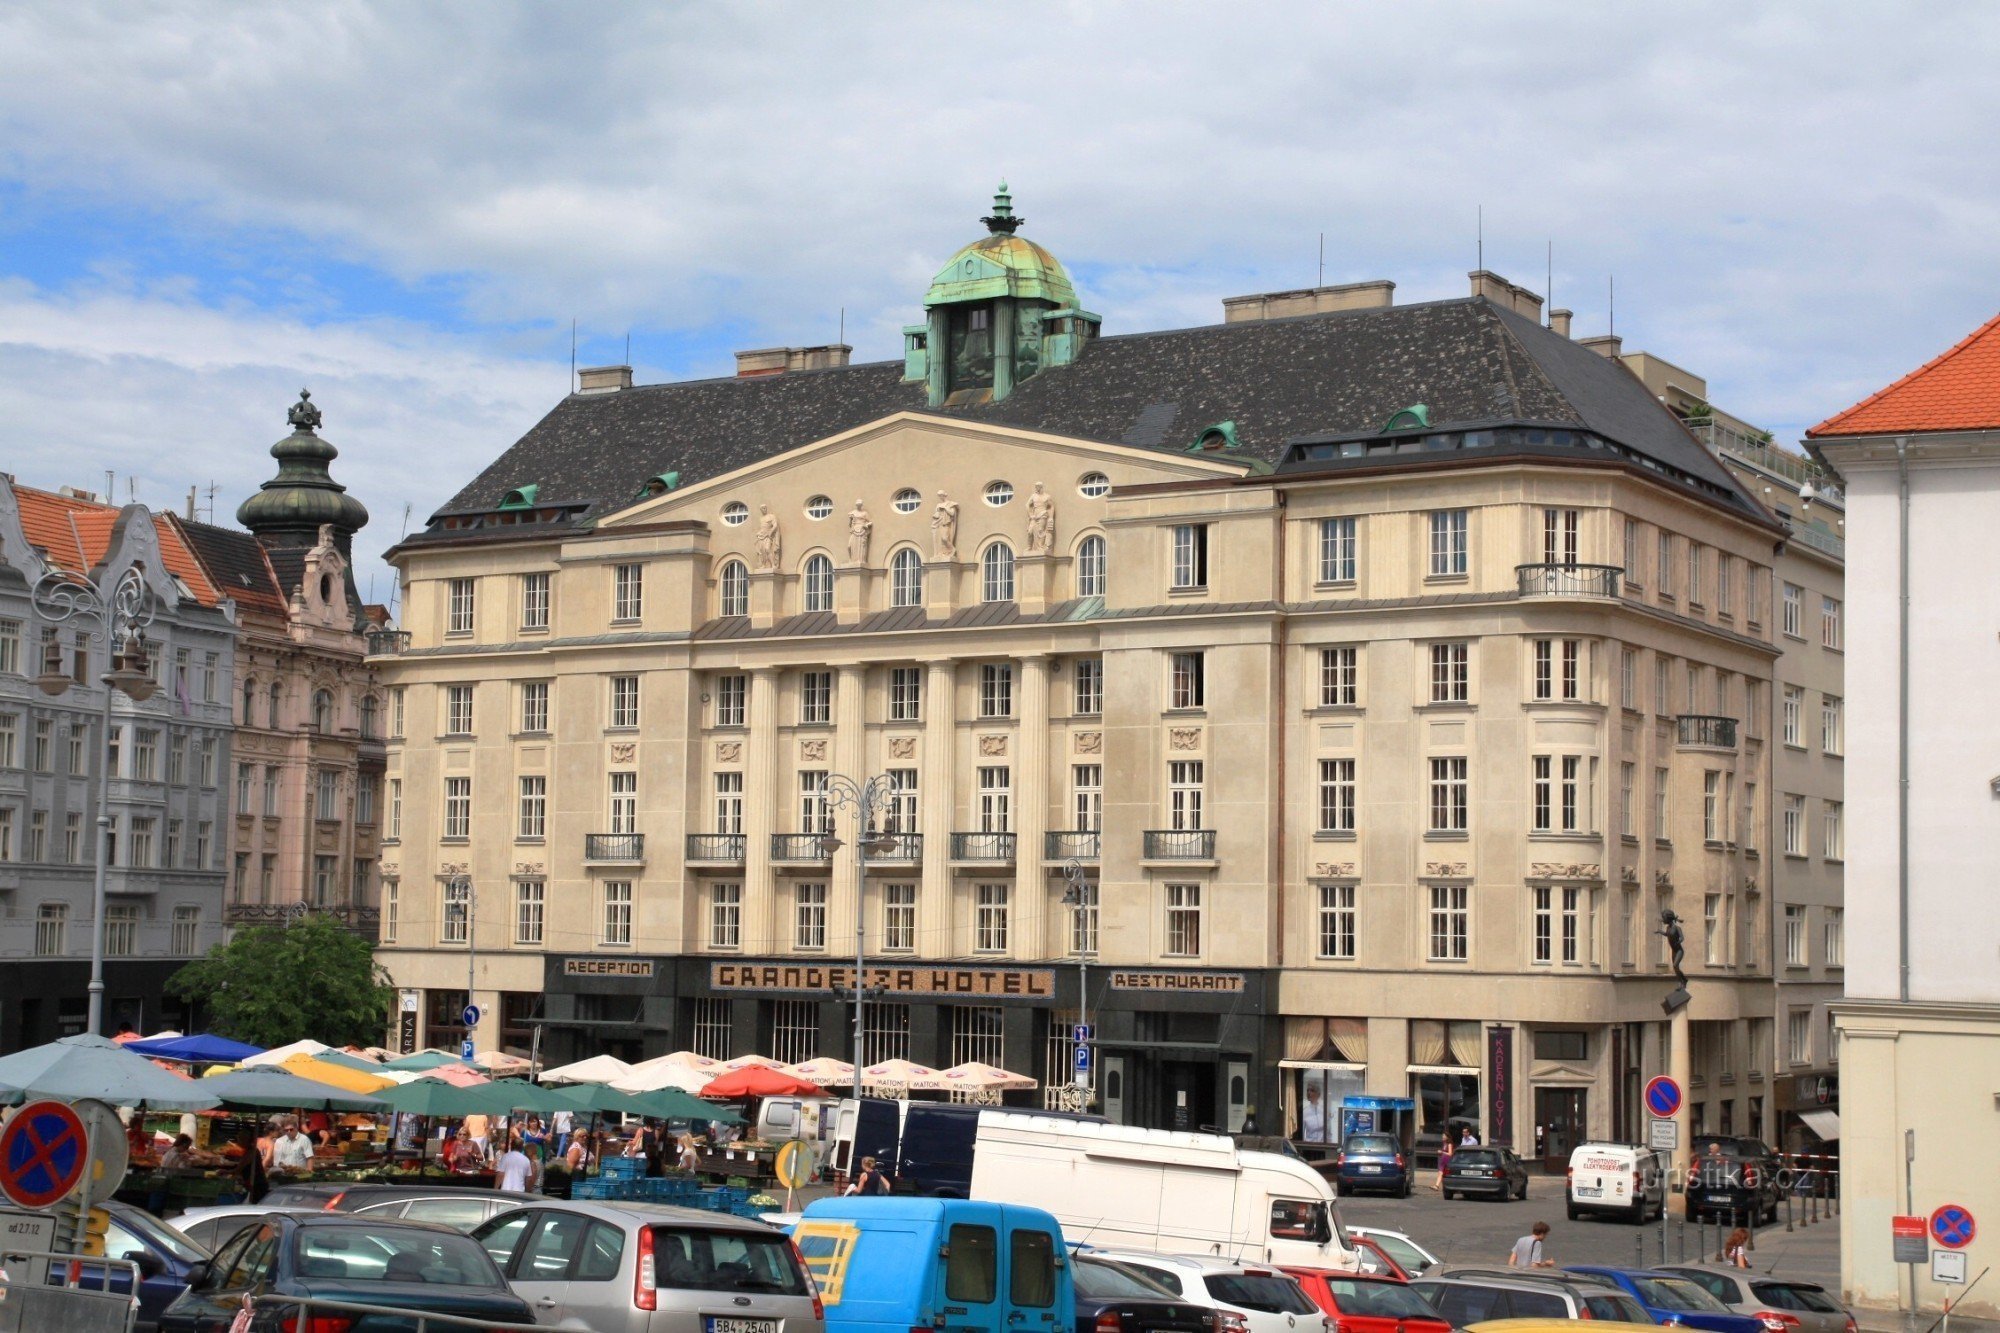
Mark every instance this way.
x=628 y=584
x=1794 y=828
x=1089 y=686
x=1558 y=668
x=1336 y=921
x=186 y=930
x=1627 y=814
x=529 y=902
x=1836 y=937
x=534 y=601
x=1632 y=553
x=52 y=930
x=1791 y=613
x=1666 y=565
x=1450 y=923
x=899 y=918
x=901 y=814
x=1450 y=551
x=1694 y=574
x=1830 y=728
x=72 y=838
x=1628 y=678
x=1449 y=803
x=732 y=700
x=38 y=835
x=711 y=1031
x=1714 y=942
x=534 y=807
x=1663 y=703
x=271 y=790
x=1714 y=818
x=815 y=697
x=535 y=706
x=1795 y=935
x=815 y=811
x=1336 y=796
x=729 y=803
x=458 y=610
x=326 y=797
x=1190 y=555
x=1829 y=623
x=1833 y=836
x=243 y=773
x=725 y=916
x=1086 y=785
x=1339 y=677
x=809 y=917
x=1338 y=562
x=795 y=1029
x=1560 y=529
x=1189 y=685
x=996 y=689
x=1184 y=794
x=41 y=750
x=10 y=647
x=1748 y=824
x=906 y=694
x=10 y=739
x=1544 y=785
x=395 y=808
x=455 y=902
x=624 y=702
x=990 y=918
x=396 y=702
x=121 y=929
x=176 y=761
x=1794 y=715
x=208 y=753
x=1083 y=923
x=1183 y=920
x=995 y=799
x=458 y=807
x=1544 y=923
x=7 y=833
x=624 y=808
x=458 y=710
x=1798 y=1036
x=366 y=786
x=617 y=912
x=1451 y=673
x=1725 y=585
x=77 y=767
x=145 y=751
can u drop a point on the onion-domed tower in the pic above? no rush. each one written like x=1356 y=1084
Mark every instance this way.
x=290 y=508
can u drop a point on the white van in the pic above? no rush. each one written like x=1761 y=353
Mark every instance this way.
x=1623 y=1179
x=1156 y=1189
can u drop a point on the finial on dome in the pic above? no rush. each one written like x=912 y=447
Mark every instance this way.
x=1003 y=219
x=303 y=415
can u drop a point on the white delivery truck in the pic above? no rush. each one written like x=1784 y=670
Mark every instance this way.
x=1156 y=1189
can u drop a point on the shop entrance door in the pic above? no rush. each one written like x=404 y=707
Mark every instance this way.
x=1560 y=1120
x=1187 y=1095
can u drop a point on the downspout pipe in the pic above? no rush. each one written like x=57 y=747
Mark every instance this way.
x=1903 y=717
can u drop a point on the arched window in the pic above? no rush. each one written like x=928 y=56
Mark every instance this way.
x=322 y=714
x=819 y=584
x=996 y=569
x=371 y=715
x=272 y=720
x=1090 y=567
x=249 y=703
x=906 y=578
x=735 y=588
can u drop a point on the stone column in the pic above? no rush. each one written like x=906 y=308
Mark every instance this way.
x=762 y=802
x=847 y=756
x=1031 y=810
x=1679 y=1066
x=936 y=782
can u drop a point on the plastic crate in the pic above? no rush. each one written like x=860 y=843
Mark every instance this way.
x=590 y=1189
x=623 y=1168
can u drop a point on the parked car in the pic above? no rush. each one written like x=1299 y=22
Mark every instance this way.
x=304 y=1194
x=1672 y=1299
x=1474 y=1295
x=1497 y=1173
x=209 y=1227
x=161 y=1253
x=1620 y=1179
x=1411 y=1257
x=326 y=1256
x=461 y=1207
x=1372 y=1162
x=1780 y=1303
x=1376 y=1261
x=1732 y=1187
x=1365 y=1304
x=638 y=1268
x=1246 y=1298
x=1111 y=1298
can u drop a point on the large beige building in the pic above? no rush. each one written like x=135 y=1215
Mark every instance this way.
x=1382 y=671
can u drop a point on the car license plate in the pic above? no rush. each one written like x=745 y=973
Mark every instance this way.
x=725 y=1324
x=1371 y=1170
x=1589 y=1191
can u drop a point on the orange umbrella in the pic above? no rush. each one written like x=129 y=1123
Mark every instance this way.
x=756 y=1081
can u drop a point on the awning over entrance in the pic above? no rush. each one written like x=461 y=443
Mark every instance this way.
x=1442 y=1069
x=1824 y=1123
x=1348 y=1066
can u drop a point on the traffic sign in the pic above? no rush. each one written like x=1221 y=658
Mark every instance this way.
x=43 y=1151
x=794 y=1164
x=1663 y=1096
x=1948 y=1267
x=465 y=1049
x=1907 y=1239
x=1082 y=1033
x=1666 y=1136
x=1083 y=1059
x=470 y=1016
x=1952 y=1226
x=110 y=1153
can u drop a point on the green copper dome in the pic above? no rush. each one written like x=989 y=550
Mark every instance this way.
x=303 y=496
x=1001 y=264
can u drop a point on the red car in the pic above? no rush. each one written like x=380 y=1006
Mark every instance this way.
x=1360 y=1303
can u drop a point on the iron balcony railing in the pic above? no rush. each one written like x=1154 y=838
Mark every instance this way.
x=1193 y=844
x=1713 y=732
x=800 y=847
x=726 y=847
x=614 y=846
x=1560 y=580
x=1083 y=844
x=902 y=847
x=388 y=642
x=1820 y=541
x=982 y=846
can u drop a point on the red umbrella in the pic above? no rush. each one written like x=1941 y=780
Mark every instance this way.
x=756 y=1081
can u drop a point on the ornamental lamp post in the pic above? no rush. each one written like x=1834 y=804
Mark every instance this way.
x=866 y=799
x=122 y=613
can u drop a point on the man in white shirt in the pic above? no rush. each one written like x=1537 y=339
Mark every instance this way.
x=513 y=1169
x=1312 y=1126
x=292 y=1151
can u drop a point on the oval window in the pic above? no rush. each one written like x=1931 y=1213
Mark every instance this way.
x=907 y=500
x=736 y=513
x=818 y=507
x=1093 y=484
x=998 y=493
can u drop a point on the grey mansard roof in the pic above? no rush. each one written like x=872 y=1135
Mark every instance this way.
x=1279 y=381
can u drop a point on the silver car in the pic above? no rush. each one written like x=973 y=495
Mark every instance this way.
x=1785 y=1304
x=649 y=1268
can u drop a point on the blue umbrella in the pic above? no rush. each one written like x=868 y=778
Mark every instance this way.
x=197 y=1048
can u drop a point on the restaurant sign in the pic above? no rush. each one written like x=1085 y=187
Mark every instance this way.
x=1210 y=983
x=607 y=967
x=1028 y=983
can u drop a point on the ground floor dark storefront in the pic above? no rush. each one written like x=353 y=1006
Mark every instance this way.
x=43 y=999
x=1172 y=1047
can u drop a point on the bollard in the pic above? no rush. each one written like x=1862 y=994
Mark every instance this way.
x=1639 y=1250
x=1681 y=1231
x=1788 y=1210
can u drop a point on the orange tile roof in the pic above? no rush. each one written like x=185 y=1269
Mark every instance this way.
x=1957 y=391
x=75 y=535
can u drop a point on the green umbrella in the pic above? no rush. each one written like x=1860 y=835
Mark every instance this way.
x=517 y=1094
x=421 y=1063
x=87 y=1065
x=285 y=1090
x=428 y=1097
x=346 y=1061
x=594 y=1099
x=673 y=1104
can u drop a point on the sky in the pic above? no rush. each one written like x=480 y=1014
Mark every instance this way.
x=205 y=207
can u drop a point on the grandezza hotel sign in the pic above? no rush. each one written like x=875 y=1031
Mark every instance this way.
x=1027 y=983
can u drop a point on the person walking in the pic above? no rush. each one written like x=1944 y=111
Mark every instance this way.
x=1446 y=1146
x=690 y=1158
x=870 y=1181
x=513 y=1169
x=1736 y=1250
x=1531 y=1251
x=251 y=1177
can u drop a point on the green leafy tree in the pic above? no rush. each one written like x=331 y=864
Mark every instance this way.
x=275 y=984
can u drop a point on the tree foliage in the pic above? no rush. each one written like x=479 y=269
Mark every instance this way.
x=275 y=984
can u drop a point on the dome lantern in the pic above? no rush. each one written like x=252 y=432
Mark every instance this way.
x=290 y=509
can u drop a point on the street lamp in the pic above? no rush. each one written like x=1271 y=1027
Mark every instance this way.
x=122 y=613
x=866 y=799
x=462 y=902
x=1077 y=897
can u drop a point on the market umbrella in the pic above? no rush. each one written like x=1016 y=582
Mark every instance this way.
x=517 y=1094
x=197 y=1048
x=673 y=1104
x=823 y=1070
x=597 y=1069
x=340 y=1076
x=459 y=1076
x=977 y=1077
x=595 y=1099
x=758 y=1081
x=424 y=1061
x=286 y=1090
x=753 y=1061
x=428 y=1097
x=652 y=1076
x=88 y=1065
x=498 y=1063
x=905 y=1074
x=348 y=1060
x=277 y=1055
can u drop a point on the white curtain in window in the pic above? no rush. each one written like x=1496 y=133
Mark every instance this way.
x=1351 y=1036
x=1427 y=1042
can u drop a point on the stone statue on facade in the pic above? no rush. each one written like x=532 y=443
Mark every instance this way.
x=859 y=528
x=770 y=546
x=944 y=522
x=1041 y=521
x=1670 y=930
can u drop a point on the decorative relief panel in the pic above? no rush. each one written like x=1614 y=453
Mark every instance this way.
x=529 y=868
x=728 y=752
x=902 y=747
x=1630 y=874
x=1184 y=738
x=623 y=752
x=993 y=745
x=1564 y=870
x=1089 y=742
x=812 y=751
x=455 y=868
x=1334 y=870
x=1447 y=870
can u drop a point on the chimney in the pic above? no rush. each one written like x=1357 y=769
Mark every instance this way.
x=190 y=508
x=779 y=360
x=1377 y=294
x=1606 y=345
x=603 y=379
x=77 y=493
x=1559 y=321
x=1503 y=293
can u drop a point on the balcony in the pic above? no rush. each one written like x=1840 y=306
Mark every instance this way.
x=388 y=642
x=1707 y=732
x=1195 y=844
x=1568 y=580
x=363 y=921
x=716 y=848
x=903 y=847
x=1083 y=844
x=800 y=848
x=985 y=847
x=629 y=848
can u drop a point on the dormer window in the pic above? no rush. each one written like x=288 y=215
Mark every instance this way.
x=971 y=351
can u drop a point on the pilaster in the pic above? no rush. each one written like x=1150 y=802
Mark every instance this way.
x=939 y=803
x=762 y=787
x=848 y=758
x=1031 y=811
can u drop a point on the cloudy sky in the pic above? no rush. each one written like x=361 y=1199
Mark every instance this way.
x=203 y=207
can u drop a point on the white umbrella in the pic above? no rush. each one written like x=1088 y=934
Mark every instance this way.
x=746 y=1061
x=972 y=1076
x=904 y=1074
x=597 y=1069
x=654 y=1077
x=277 y=1055
x=824 y=1070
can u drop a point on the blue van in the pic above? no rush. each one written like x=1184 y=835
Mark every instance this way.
x=889 y=1265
